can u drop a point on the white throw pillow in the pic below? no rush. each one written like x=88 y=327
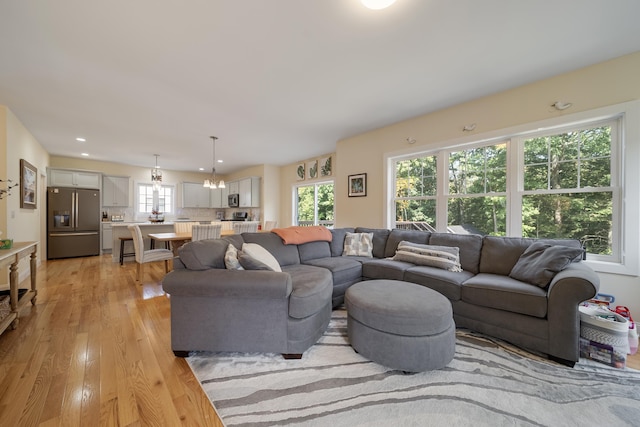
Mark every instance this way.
x=256 y=251
x=445 y=257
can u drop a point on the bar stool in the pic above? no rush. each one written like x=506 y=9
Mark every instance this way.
x=122 y=253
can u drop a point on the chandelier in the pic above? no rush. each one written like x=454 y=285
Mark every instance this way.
x=156 y=176
x=211 y=183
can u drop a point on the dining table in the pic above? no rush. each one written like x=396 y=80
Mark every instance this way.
x=177 y=239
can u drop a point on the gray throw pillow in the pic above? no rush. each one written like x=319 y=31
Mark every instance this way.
x=250 y=263
x=540 y=262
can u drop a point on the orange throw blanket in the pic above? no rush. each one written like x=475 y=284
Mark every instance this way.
x=296 y=235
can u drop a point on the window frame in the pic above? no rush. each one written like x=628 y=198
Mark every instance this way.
x=623 y=170
x=155 y=197
x=315 y=184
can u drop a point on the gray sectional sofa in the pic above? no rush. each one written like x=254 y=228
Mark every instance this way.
x=216 y=309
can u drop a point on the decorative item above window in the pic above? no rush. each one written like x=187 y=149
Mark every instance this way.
x=156 y=176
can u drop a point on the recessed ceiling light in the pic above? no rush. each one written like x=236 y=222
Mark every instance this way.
x=377 y=4
x=220 y=161
x=80 y=139
x=85 y=154
x=200 y=169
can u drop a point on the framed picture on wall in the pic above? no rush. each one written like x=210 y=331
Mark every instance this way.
x=28 y=185
x=312 y=169
x=325 y=166
x=358 y=185
x=300 y=172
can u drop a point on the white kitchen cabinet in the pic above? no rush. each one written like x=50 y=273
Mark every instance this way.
x=216 y=198
x=71 y=178
x=224 y=197
x=107 y=237
x=249 y=190
x=194 y=195
x=234 y=187
x=115 y=191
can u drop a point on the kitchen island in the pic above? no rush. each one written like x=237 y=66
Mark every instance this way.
x=119 y=229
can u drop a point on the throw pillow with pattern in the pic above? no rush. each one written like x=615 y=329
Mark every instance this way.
x=231 y=258
x=358 y=244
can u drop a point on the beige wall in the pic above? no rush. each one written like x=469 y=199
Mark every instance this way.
x=16 y=143
x=600 y=85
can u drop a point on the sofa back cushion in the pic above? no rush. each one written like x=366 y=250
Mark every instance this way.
x=470 y=246
x=380 y=236
x=500 y=254
x=285 y=254
x=314 y=250
x=337 y=241
x=203 y=254
x=397 y=235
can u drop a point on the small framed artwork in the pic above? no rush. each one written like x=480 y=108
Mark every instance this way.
x=28 y=185
x=300 y=172
x=358 y=185
x=325 y=166
x=312 y=169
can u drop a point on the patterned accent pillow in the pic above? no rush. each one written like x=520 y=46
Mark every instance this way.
x=445 y=257
x=358 y=244
x=231 y=258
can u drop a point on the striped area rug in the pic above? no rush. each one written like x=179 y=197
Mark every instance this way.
x=488 y=383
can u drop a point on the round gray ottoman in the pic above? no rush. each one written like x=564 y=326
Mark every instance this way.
x=400 y=325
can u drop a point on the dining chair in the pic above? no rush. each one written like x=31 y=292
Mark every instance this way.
x=226 y=225
x=144 y=256
x=270 y=225
x=183 y=227
x=245 y=227
x=205 y=231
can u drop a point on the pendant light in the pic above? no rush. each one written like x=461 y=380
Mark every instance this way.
x=211 y=183
x=377 y=4
x=156 y=176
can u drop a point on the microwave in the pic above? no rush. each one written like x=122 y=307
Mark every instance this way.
x=234 y=200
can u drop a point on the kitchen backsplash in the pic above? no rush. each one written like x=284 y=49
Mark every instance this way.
x=196 y=214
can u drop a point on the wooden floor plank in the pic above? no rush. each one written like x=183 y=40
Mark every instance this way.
x=95 y=350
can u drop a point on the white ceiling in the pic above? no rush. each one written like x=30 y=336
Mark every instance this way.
x=277 y=81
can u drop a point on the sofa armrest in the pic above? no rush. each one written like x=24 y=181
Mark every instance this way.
x=576 y=283
x=222 y=283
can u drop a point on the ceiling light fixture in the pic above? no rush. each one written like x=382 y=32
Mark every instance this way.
x=377 y=4
x=156 y=176
x=469 y=128
x=80 y=139
x=211 y=183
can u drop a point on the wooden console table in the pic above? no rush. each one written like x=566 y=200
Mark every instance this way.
x=11 y=257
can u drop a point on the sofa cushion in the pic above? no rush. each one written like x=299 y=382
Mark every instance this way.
x=343 y=269
x=380 y=236
x=446 y=282
x=500 y=254
x=358 y=244
x=337 y=240
x=446 y=257
x=231 y=258
x=385 y=268
x=314 y=250
x=285 y=254
x=297 y=235
x=311 y=289
x=504 y=293
x=203 y=254
x=260 y=254
x=235 y=239
x=469 y=244
x=247 y=262
x=540 y=262
x=397 y=235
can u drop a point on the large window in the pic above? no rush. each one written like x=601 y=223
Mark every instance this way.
x=314 y=204
x=160 y=201
x=563 y=181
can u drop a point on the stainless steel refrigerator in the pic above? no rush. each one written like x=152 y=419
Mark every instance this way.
x=73 y=222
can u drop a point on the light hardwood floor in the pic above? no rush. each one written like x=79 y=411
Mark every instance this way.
x=95 y=350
